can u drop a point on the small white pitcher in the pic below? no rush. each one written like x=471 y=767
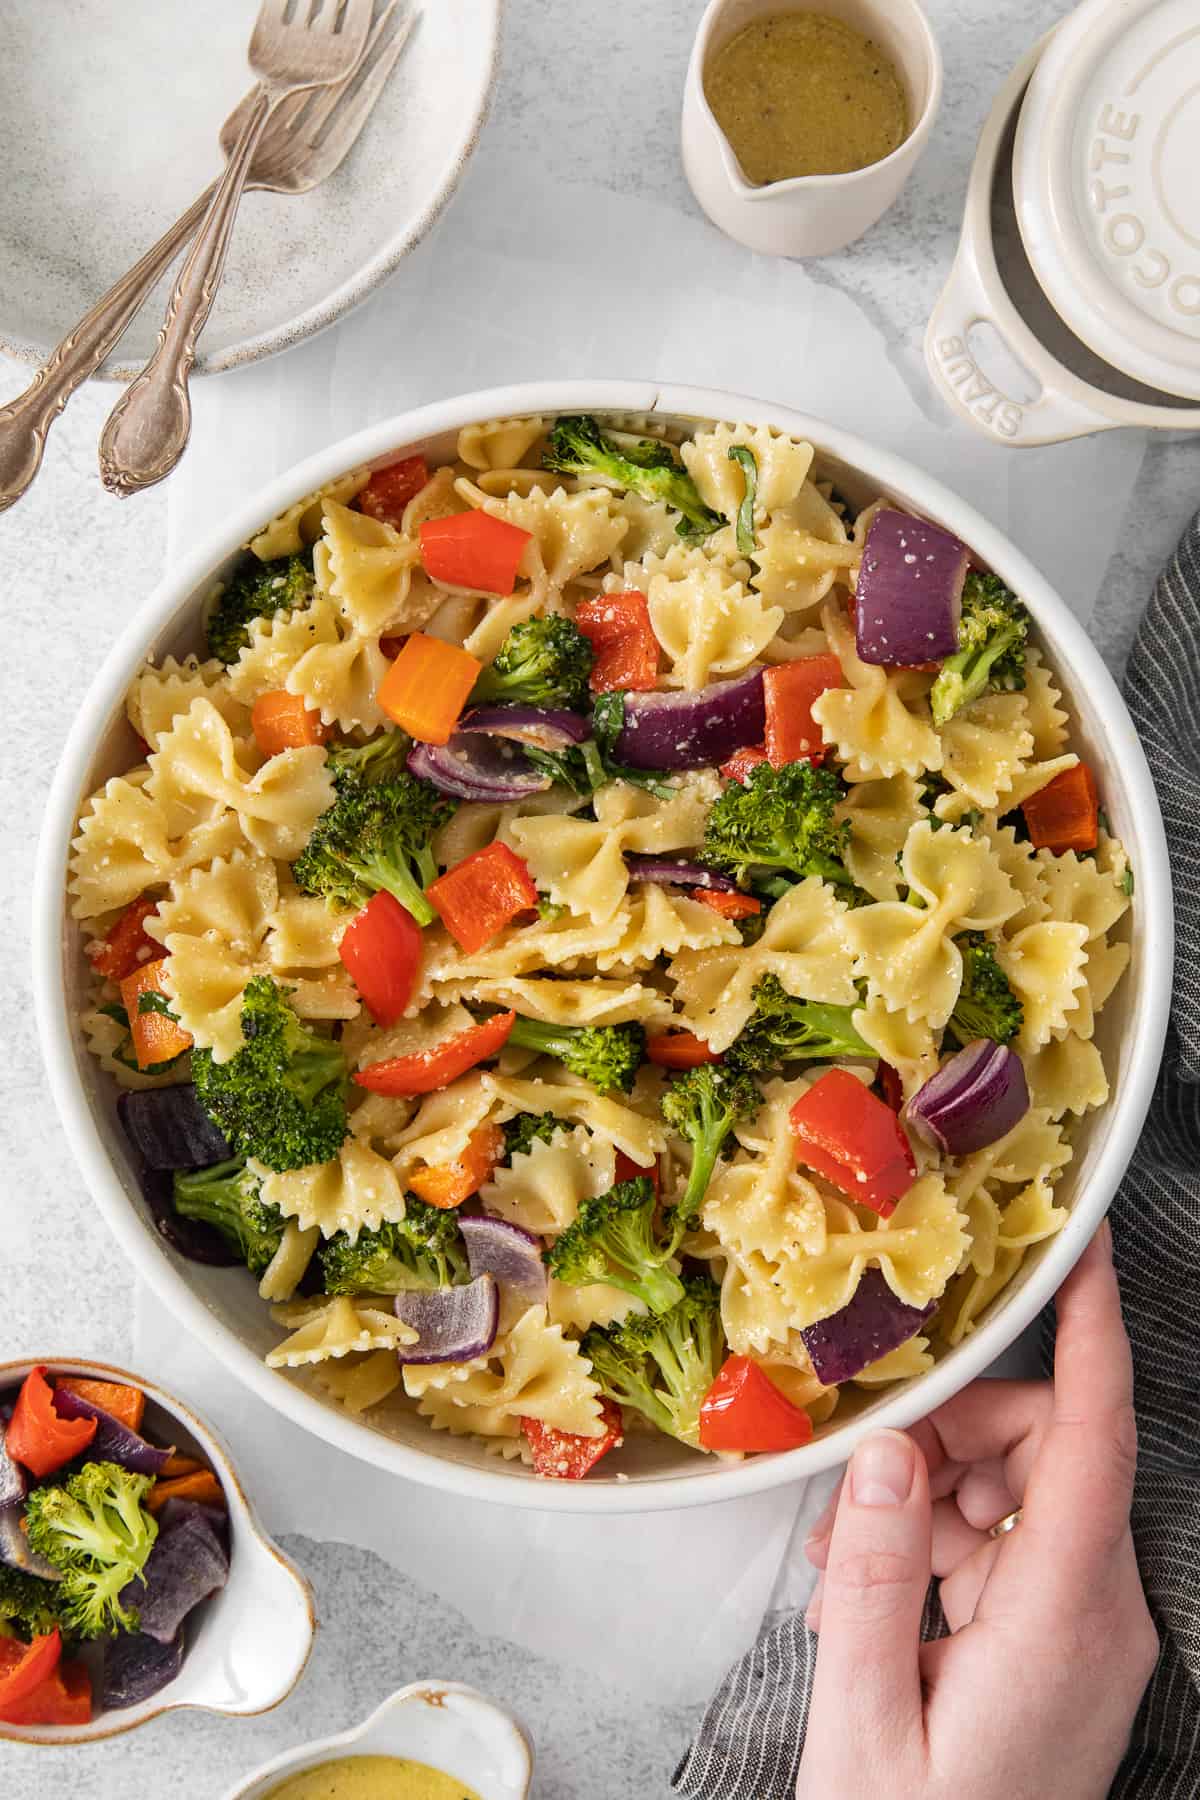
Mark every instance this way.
x=440 y=1723
x=810 y=215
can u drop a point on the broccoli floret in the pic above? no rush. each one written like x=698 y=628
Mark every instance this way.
x=256 y=590
x=781 y=824
x=544 y=662
x=423 y=1250
x=664 y=1366
x=986 y=1006
x=650 y=467
x=282 y=1098
x=609 y=1056
x=521 y=1133
x=29 y=1606
x=703 y=1106
x=376 y=835
x=783 y=1029
x=227 y=1196
x=95 y=1529
x=382 y=758
x=991 y=647
x=612 y=1241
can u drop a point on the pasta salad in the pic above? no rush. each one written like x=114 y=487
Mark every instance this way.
x=610 y=935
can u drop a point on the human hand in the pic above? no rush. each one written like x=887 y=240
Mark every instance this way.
x=1052 y=1643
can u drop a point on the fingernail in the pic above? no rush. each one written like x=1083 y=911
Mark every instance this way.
x=882 y=1469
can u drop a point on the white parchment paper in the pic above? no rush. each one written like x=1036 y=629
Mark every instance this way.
x=525 y=282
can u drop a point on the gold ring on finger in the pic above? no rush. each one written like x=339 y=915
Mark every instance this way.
x=1008 y=1523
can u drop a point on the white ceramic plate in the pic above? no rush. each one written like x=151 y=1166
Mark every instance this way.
x=223 y=1308
x=111 y=119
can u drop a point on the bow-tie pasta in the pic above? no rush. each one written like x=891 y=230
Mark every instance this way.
x=590 y=984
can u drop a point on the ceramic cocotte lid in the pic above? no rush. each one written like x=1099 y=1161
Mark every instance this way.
x=1106 y=181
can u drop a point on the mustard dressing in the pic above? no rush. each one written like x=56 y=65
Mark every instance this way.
x=372 y=1778
x=800 y=93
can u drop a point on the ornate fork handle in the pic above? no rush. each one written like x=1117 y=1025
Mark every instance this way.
x=25 y=422
x=147 y=430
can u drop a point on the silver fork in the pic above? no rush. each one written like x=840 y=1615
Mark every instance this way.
x=147 y=430
x=306 y=139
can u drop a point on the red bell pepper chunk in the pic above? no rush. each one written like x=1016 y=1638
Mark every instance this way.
x=429 y=1070
x=473 y=550
x=789 y=690
x=389 y=490
x=1065 y=814
x=566 y=1456
x=679 y=1050
x=628 y=1170
x=744 y=1410
x=742 y=764
x=36 y=1436
x=63 y=1698
x=481 y=894
x=448 y=1184
x=618 y=628
x=730 y=906
x=24 y=1667
x=851 y=1136
x=381 y=947
x=127 y=946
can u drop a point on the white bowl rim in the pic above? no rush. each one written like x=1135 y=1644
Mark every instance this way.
x=656 y=1493
x=243 y=1518
x=297 y=1760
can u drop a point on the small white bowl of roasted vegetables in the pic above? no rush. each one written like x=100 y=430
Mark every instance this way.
x=134 y=1577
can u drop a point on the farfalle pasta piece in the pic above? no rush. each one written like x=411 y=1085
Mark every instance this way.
x=128 y=842
x=213 y=928
x=499 y=443
x=900 y=1364
x=287 y=1268
x=813 y=1287
x=1017 y=858
x=1033 y=777
x=542 y=1190
x=805 y=943
x=160 y=692
x=1034 y=1150
x=708 y=622
x=358 y=1191
x=660 y=921
x=276 y=645
x=1066 y=1076
x=589 y=1001
x=880 y=813
x=1044 y=965
x=760 y=1202
x=577 y=1309
x=361 y=1381
x=879 y=721
x=651 y=528
x=580 y=863
x=1105 y=965
x=641 y=1136
x=801 y=553
x=1077 y=888
x=782 y=464
x=571 y=532
x=907 y=1045
x=755 y=1313
x=531 y=1371
x=300 y=524
x=1047 y=719
x=301 y=951
x=919 y=1247
x=984 y=746
x=365 y=566
x=197 y=767
x=970 y=1294
x=1029 y=1217
x=442 y=1124
x=907 y=953
x=337 y=1327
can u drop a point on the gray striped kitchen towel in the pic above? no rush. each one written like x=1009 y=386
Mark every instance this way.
x=749 y=1742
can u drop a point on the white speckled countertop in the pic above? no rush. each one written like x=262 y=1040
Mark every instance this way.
x=594 y=94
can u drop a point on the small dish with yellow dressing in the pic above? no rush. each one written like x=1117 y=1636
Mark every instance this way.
x=434 y=1740
x=371 y=1778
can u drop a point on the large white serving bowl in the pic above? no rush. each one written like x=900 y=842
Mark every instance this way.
x=222 y=1307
